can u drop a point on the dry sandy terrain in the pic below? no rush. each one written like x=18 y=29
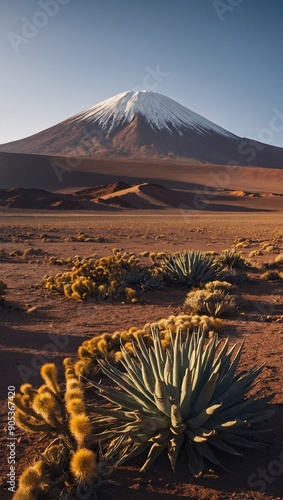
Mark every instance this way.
x=59 y=173
x=39 y=326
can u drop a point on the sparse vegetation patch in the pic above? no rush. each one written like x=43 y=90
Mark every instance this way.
x=117 y=275
x=214 y=299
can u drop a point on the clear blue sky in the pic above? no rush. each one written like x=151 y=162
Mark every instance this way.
x=222 y=59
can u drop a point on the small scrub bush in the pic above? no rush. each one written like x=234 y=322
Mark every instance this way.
x=82 y=237
x=58 y=261
x=213 y=299
x=16 y=253
x=30 y=252
x=105 y=278
x=220 y=286
x=235 y=277
x=241 y=240
x=144 y=254
x=4 y=257
x=255 y=253
x=273 y=275
x=268 y=246
x=279 y=260
x=276 y=264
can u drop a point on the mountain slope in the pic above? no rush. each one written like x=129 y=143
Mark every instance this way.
x=146 y=124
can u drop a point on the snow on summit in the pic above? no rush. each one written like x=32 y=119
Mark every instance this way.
x=159 y=111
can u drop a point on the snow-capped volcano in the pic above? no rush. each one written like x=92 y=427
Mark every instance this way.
x=145 y=124
x=159 y=111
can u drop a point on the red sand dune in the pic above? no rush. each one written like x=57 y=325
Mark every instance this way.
x=145 y=196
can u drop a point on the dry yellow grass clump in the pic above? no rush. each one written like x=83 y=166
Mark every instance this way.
x=119 y=274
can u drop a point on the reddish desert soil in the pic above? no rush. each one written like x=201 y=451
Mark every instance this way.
x=39 y=326
x=65 y=174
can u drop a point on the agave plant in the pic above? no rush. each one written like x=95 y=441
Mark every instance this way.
x=189 y=268
x=142 y=277
x=188 y=396
x=230 y=259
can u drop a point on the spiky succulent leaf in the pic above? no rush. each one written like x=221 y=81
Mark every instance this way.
x=189 y=268
x=230 y=259
x=188 y=395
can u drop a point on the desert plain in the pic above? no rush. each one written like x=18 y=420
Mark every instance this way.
x=161 y=207
x=39 y=326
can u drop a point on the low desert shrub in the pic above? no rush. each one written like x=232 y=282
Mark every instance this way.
x=273 y=275
x=235 y=277
x=86 y=238
x=105 y=278
x=275 y=265
x=255 y=253
x=279 y=261
x=214 y=299
x=267 y=246
x=220 y=286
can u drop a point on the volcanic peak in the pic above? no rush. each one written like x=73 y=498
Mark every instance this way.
x=159 y=111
